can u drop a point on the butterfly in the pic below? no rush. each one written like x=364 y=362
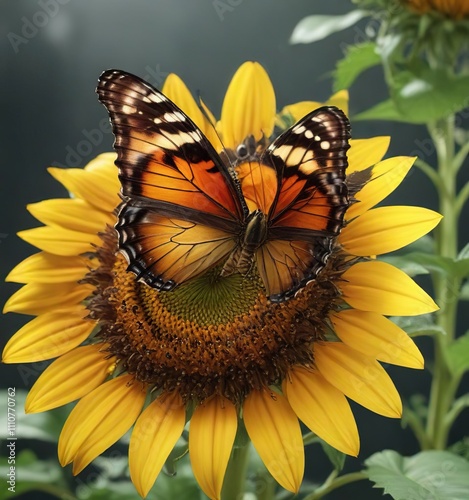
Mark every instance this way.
x=186 y=209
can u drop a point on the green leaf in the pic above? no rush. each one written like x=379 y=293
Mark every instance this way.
x=41 y=426
x=429 y=94
x=121 y=490
x=358 y=58
x=418 y=326
x=461 y=448
x=336 y=457
x=462 y=262
x=183 y=486
x=407 y=265
x=421 y=98
x=385 y=110
x=314 y=28
x=458 y=355
x=429 y=475
x=464 y=292
x=31 y=474
x=433 y=263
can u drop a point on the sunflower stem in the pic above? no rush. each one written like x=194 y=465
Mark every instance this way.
x=235 y=477
x=443 y=388
x=333 y=482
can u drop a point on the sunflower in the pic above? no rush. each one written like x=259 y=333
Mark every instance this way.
x=456 y=9
x=216 y=352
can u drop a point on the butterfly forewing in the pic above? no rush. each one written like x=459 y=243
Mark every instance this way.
x=170 y=175
x=310 y=161
x=162 y=154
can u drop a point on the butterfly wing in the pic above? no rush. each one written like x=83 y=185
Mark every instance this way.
x=311 y=197
x=182 y=205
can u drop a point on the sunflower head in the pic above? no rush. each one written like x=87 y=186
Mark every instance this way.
x=215 y=350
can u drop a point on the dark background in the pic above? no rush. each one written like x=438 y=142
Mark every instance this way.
x=48 y=106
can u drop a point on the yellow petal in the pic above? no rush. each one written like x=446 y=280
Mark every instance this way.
x=323 y=409
x=275 y=433
x=249 y=106
x=379 y=287
x=44 y=267
x=39 y=298
x=71 y=213
x=376 y=337
x=386 y=229
x=91 y=185
x=385 y=178
x=339 y=99
x=359 y=377
x=59 y=241
x=175 y=90
x=69 y=377
x=154 y=436
x=48 y=336
x=211 y=437
x=99 y=419
x=300 y=109
x=364 y=153
x=104 y=165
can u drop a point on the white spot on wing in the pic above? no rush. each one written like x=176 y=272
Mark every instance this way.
x=154 y=98
x=309 y=134
x=325 y=145
x=299 y=129
x=128 y=110
x=174 y=117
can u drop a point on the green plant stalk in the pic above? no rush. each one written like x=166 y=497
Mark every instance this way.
x=235 y=477
x=446 y=287
x=333 y=482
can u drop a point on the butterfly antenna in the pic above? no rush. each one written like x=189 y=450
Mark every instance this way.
x=203 y=108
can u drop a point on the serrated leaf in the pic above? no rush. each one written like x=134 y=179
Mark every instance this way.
x=357 y=59
x=336 y=457
x=429 y=475
x=314 y=28
x=458 y=355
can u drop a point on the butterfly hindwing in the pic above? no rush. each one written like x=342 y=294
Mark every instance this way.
x=164 y=251
x=168 y=167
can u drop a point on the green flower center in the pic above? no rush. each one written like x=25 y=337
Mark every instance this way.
x=210 y=299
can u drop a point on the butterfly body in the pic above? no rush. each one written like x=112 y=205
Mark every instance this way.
x=254 y=236
x=187 y=209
